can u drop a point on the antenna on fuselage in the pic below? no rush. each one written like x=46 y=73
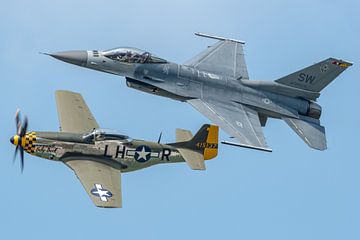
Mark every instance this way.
x=159 y=138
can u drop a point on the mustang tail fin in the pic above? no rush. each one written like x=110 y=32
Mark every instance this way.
x=203 y=146
x=315 y=77
x=309 y=130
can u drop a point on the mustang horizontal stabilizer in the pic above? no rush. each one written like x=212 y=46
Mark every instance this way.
x=195 y=160
x=74 y=115
x=237 y=120
x=226 y=57
x=316 y=77
x=101 y=182
x=309 y=130
x=203 y=146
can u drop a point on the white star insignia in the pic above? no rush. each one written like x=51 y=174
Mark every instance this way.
x=143 y=154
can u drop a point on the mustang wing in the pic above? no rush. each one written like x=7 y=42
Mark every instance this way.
x=74 y=114
x=101 y=182
x=226 y=57
x=238 y=121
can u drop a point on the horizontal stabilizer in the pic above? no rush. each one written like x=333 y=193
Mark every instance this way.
x=195 y=160
x=309 y=130
x=183 y=135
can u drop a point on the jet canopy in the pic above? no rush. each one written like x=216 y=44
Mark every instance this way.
x=105 y=135
x=132 y=55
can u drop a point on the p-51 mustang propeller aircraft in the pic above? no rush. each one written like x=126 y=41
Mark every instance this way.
x=216 y=83
x=99 y=156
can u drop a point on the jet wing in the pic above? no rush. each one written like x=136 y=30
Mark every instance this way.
x=101 y=182
x=238 y=121
x=226 y=57
x=74 y=114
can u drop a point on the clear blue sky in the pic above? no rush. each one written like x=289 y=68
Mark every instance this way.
x=292 y=193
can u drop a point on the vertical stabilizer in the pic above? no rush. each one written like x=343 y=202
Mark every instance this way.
x=316 y=77
x=203 y=146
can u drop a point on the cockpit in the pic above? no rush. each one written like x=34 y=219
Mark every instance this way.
x=132 y=55
x=105 y=135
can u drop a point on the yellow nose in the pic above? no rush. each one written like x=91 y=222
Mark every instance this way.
x=15 y=140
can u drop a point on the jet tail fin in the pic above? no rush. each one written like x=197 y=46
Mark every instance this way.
x=309 y=130
x=203 y=146
x=315 y=77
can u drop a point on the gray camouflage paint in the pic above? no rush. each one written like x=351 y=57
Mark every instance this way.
x=182 y=83
x=217 y=84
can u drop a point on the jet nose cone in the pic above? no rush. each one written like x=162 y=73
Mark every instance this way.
x=74 y=57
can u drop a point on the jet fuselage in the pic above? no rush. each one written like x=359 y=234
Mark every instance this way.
x=182 y=83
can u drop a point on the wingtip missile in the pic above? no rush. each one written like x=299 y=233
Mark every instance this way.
x=218 y=37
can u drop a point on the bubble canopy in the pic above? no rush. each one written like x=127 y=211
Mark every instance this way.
x=105 y=135
x=132 y=55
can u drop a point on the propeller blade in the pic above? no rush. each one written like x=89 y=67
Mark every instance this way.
x=17 y=121
x=24 y=127
x=15 y=153
x=21 y=129
x=22 y=159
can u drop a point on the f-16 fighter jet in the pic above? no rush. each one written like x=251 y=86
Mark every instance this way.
x=216 y=83
x=99 y=156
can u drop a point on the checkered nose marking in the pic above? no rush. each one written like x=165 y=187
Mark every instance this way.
x=28 y=142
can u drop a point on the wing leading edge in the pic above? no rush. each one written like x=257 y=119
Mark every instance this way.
x=238 y=121
x=74 y=115
x=101 y=182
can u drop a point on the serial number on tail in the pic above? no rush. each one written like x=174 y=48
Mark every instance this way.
x=207 y=145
